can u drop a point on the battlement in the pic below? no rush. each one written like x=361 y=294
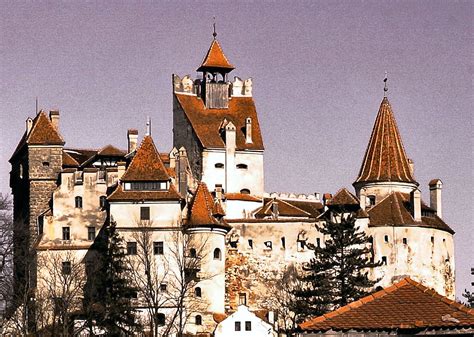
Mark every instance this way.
x=236 y=88
x=293 y=196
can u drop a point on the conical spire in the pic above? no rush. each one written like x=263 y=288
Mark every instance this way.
x=385 y=158
x=215 y=60
x=205 y=210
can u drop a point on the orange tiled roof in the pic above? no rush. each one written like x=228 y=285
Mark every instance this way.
x=120 y=195
x=205 y=210
x=42 y=133
x=146 y=165
x=110 y=150
x=394 y=210
x=343 y=197
x=285 y=208
x=69 y=161
x=405 y=305
x=242 y=197
x=206 y=122
x=215 y=59
x=385 y=158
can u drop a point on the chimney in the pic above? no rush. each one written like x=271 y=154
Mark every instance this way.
x=120 y=169
x=29 y=125
x=275 y=209
x=54 y=117
x=415 y=198
x=248 y=130
x=218 y=191
x=182 y=171
x=362 y=199
x=435 y=195
x=411 y=165
x=132 y=135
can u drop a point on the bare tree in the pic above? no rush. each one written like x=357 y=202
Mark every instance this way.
x=6 y=255
x=60 y=289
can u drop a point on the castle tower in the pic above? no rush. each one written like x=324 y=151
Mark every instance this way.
x=216 y=121
x=208 y=229
x=385 y=168
x=36 y=165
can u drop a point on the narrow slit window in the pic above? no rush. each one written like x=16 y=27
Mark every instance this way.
x=66 y=233
x=385 y=238
x=242 y=166
x=78 y=202
x=384 y=260
x=132 y=248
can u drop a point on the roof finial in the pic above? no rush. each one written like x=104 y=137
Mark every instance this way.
x=385 y=88
x=148 y=126
x=214 y=25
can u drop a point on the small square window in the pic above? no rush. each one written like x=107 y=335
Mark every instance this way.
x=248 y=326
x=132 y=248
x=66 y=268
x=144 y=213
x=158 y=248
x=163 y=286
x=91 y=233
x=66 y=233
x=237 y=326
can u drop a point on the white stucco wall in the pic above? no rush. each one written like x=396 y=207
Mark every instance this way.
x=259 y=328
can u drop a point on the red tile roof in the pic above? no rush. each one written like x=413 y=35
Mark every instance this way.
x=343 y=197
x=206 y=122
x=146 y=165
x=215 y=59
x=405 y=305
x=394 y=210
x=285 y=209
x=204 y=209
x=385 y=158
x=120 y=195
x=69 y=161
x=110 y=150
x=242 y=197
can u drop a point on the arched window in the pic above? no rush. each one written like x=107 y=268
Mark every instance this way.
x=102 y=201
x=217 y=254
x=198 y=320
x=197 y=292
x=192 y=252
x=242 y=166
x=219 y=165
x=78 y=202
x=161 y=319
x=245 y=191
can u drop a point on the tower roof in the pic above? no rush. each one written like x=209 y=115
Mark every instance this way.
x=215 y=60
x=385 y=158
x=146 y=165
x=205 y=210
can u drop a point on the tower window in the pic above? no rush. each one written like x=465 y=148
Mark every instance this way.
x=385 y=238
x=66 y=268
x=242 y=166
x=144 y=213
x=268 y=245
x=102 y=201
x=131 y=248
x=371 y=200
x=251 y=243
x=78 y=202
x=197 y=292
x=163 y=287
x=219 y=165
x=242 y=299
x=248 y=326
x=66 y=233
x=46 y=164
x=283 y=243
x=384 y=260
x=198 y=320
x=237 y=326
x=158 y=248
x=318 y=242
x=217 y=254
x=432 y=240
x=91 y=233
x=192 y=252
x=245 y=191
x=405 y=241
x=161 y=319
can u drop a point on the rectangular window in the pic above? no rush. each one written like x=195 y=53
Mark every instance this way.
x=405 y=241
x=384 y=260
x=91 y=233
x=66 y=233
x=144 y=213
x=132 y=248
x=163 y=286
x=432 y=240
x=242 y=299
x=318 y=242
x=250 y=243
x=158 y=248
x=66 y=268
x=237 y=326
x=283 y=243
x=248 y=326
x=386 y=238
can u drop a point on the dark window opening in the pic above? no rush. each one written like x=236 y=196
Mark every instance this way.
x=91 y=233
x=160 y=319
x=371 y=200
x=219 y=165
x=198 y=320
x=66 y=233
x=242 y=166
x=251 y=243
x=66 y=268
x=384 y=260
x=40 y=224
x=248 y=326
x=147 y=186
x=144 y=213
x=192 y=252
x=243 y=299
x=217 y=254
x=385 y=238
x=197 y=292
x=102 y=201
x=318 y=242
x=158 y=248
x=134 y=294
x=268 y=244
x=237 y=326
x=46 y=164
x=405 y=241
x=132 y=248
x=283 y=243
x=163 y=287
x=245 y=191
x=78 y=202
x=432 y=240
x=303 y=244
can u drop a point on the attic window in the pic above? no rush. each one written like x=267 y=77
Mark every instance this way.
x=242 y=166
x=371 y=199
x=245 y=191
x=219 y=165
x=146 y=186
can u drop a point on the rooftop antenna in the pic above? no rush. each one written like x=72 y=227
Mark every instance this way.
x=148 y=126
x=385 y=88
x=36 y=110
x=214 y=26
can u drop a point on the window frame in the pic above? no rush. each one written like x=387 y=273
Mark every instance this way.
x=78 y=202
x=132 y=248
x=66 y=234
x=91 y=233
x=66 y=268
x=158 y=248
x=217 y=254
x=144 y=213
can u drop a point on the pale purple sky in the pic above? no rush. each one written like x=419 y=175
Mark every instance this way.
x=317 y=68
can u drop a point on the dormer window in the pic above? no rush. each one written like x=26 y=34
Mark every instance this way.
x=242 y=166
x=146 y=186
x=371 y=199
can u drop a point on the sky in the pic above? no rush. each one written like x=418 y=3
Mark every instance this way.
x=317 y=69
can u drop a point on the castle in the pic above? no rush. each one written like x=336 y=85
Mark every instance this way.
x=210 y=186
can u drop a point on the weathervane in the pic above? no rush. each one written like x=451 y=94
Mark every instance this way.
x=214 y=25
x=385 y=88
